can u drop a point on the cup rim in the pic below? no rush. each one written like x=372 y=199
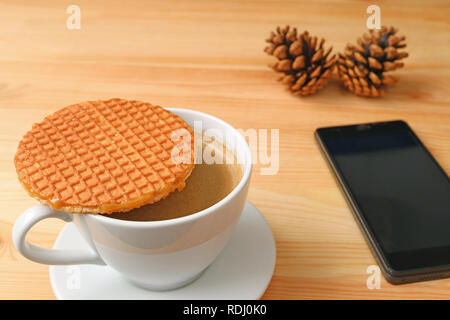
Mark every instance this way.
x=247 y=166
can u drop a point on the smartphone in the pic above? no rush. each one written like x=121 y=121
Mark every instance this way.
x=399 y=196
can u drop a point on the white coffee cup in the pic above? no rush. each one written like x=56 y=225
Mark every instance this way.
x=157 y=255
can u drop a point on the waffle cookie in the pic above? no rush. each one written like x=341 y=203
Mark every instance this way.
x=104 y=156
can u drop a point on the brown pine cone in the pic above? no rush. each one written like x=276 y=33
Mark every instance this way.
x=362 y=67
x=302 y=59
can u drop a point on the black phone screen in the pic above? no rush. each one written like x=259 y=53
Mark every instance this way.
x=401 y=192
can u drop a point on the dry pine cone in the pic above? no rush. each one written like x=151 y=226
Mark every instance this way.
x=362 y=67
x=302 y=59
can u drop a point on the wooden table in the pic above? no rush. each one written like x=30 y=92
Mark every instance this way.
x=208 y=56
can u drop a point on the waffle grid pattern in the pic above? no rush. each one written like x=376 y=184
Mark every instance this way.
x=102 y=156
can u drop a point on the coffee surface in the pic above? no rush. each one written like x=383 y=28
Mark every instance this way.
x=207 y=185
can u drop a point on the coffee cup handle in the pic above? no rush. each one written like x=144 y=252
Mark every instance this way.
x=43 y=255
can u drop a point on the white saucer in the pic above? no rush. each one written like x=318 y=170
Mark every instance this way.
x=242 y=271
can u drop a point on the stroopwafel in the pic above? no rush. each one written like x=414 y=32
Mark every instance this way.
x=103 y=157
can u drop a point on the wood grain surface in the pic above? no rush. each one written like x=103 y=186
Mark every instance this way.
x=208 y=56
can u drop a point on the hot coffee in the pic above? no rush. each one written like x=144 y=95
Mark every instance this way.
x=207 y=185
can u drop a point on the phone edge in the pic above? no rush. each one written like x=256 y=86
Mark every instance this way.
x=392 y=276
